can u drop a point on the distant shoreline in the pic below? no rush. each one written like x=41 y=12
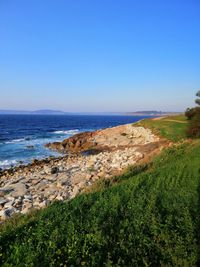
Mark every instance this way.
x=57 y=112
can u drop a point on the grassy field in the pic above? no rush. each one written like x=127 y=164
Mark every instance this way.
x=150 y=216
x=172 y=128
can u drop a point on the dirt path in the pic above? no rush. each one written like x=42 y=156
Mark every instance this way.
x=164 y=118
x=177 y=121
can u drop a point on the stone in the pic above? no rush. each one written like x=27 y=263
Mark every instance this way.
x=59 y=197
x=4 y=191
x=76 y=179
x=43 y=204
x=62 y=182
x=9 y=204
x=27 y=205
x=41 y=185
x=54 y=170
x=3 y=200
x=19 y=189
x=5 y=214
x=75 y=191
x=28 y=197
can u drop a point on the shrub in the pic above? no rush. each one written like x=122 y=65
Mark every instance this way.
x=194 y=126
x=190 y=112
x=193 y=114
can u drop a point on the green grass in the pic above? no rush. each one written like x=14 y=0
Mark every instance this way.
x=177 y=118
x=150 y=216
x=172 y=130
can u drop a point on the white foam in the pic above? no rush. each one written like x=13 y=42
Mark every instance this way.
x=67 y=132
x=7 y=163
x=15 y=141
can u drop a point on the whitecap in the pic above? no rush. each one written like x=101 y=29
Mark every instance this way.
x=67 y=132
x=15 y=141
x=7 y=163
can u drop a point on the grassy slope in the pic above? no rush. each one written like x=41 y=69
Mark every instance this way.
x=147 y=217
x=172 y=128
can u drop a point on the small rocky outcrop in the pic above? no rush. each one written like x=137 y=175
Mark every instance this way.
x=105 y=140
x=77 y=143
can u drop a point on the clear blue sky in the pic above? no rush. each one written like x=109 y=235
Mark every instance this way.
x=105 y=55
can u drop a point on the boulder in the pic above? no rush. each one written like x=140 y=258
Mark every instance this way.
x=77 y=143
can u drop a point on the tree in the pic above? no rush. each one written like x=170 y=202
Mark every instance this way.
x=190 y=112
x=197 y=101
x=193 y=115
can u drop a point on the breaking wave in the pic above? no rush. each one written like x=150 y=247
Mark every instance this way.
x=8 y=163
x=67 y=132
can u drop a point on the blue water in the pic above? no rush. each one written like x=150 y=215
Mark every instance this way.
x=19 y=132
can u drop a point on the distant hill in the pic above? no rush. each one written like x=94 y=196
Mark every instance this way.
x=48 y=112
x=35 y=112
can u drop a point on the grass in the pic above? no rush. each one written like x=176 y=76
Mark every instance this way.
x=147 y=217
x=168 y=127
x=181 y=118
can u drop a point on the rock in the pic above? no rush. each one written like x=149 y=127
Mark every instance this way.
x=27 y=205
x=9 y=204
x=18 y=189
x=41 y=185
x=17 y=203
x=34 y=161
x=4 y=191
x=5 y=214
x=77 y=143
x=62 y=182
x=28 y=197
x=54 y=170
x=59 y=197
x=43 y=204
x=3 y=200
x=76 y=179
x=47 y=169
x=74 y=192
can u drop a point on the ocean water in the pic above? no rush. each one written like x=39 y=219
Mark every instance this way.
x=22 y=137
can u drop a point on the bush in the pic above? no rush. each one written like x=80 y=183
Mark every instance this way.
x=194 y=126
x=193 y=114
x=190 y=112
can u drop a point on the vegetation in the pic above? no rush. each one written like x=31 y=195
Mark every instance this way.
x=147 y=217
x=172 y=128
x=193 y=115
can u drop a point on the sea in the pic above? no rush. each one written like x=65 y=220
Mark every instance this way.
x=22 y=137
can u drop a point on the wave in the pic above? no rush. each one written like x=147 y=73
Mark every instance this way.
x=15 y=141
x=67 y=132
x=8 y=163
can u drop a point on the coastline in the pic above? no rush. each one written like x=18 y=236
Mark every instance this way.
x=38 y=184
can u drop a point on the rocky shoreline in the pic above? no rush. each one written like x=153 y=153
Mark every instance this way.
x=89 y=157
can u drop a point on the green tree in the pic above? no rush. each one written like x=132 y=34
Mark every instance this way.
x=193 y=114
x=197 y=101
